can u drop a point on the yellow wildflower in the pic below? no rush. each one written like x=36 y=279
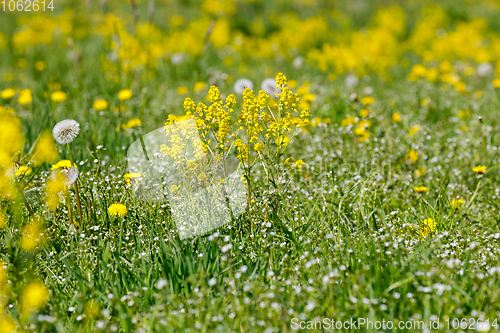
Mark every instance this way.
x=117 y=209
x=23 y=171
x=413 y=155
x=396 y=117
x=496 y=83
x=367 y=100
x=32 y=235
x=199 y=86
x=131 y=177
x=64 y=164
x=456 y=203
x=124 y=94
x=182 y=90
x=480 y=169
x=25 y=97
x=100 y=105
x=364 y=113
x=45 y=149
x=7 y=93
x=414 y=130
x=34 y=297
x=298 y=165
x=420 y=189
x=58 y=96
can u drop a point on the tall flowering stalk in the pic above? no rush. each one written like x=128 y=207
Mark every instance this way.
x=260 y=132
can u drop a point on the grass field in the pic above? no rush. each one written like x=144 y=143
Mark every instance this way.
x=364 y=135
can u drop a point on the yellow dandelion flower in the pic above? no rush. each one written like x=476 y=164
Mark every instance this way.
x=199 y=86
x=23 y=171
x=364 y=113
x=396 y=117
x=427 y=227
x=7 y=325
x=414 y=130
x=456 y=203
x=7 y=93
x=480 y=169
x=100 y=105
x=420 y=189
x=131 y=177
x=62 y=164
x=117 y=209
x=45 y=149
x=367 y=100
x=25 y=97
x=32 y=235
x=182 y=90
x=58 y=96
x=34 y=297
x=496 y=83
x=413 y=155
x=40 y=66
x=124 y=94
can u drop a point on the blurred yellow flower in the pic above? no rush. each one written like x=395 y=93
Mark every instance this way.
x=427 y=227
x=413 y=155
x=420 y=189
x=199 y=86
x=124 y=94
x=7 y=325
x=100 y=105
x=32 y=235
x=182 y=90
x=396 y=117
x=414 y=130
x=364 y=113
x=34 y=297
x=7 y=93
x=456 y=203
x=131 y=177
x=40 y=66
x=496 y=83
x=45 y=149
x=58 y=96
x=479 y=169
x=132 y=123
x=367 y=100
x=117 y=209
x=25 y=97
x=62 y=164
x=23 y=171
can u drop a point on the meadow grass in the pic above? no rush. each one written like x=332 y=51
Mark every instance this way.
x=387 y=219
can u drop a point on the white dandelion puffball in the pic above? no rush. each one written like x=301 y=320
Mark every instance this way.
x=66 y=131
x=177 y=58
x=351 y=80
x=298 y=62
x=70 y=175
x=269 y=86
x=241 y=84
x=484 y=69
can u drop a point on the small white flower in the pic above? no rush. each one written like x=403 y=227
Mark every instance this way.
x=177 y=58
x=269 y=86
x=241 y=84
x=298 y=62
x=351 y=80
x=484 y=69
x=66 y=131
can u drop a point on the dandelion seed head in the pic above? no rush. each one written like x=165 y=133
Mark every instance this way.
x=66 y=131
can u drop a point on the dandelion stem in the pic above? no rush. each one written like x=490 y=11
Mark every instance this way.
x=68 y=204
x=78 y=202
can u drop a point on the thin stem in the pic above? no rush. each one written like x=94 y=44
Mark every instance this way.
x=68 y=204
x=78 y=202
x=21 y=192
